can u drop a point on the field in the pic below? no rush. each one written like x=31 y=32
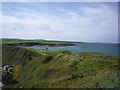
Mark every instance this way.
x=20 y=42
x=58 y=69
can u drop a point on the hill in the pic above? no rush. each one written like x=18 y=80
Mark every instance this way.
x=21 y=42
x=60 y=69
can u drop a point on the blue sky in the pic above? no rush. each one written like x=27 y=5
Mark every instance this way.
x=90 y=22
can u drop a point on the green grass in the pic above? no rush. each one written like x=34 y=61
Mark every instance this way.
x=32 y=42
x=48 y=52
x=61 y=69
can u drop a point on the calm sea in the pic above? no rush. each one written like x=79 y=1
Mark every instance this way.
x=106 y=48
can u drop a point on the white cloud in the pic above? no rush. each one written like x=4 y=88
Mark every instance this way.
x=60 y=0
x=96 y=25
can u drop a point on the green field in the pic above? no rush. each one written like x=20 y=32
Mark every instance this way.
x=60 y=69
x=21 y=42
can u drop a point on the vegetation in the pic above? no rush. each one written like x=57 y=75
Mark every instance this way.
x=20 y=42
x=60 y=69
x=8 y=78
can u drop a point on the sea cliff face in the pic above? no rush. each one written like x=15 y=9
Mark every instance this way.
x=60 y=69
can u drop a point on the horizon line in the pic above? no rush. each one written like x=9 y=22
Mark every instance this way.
x=59 y=40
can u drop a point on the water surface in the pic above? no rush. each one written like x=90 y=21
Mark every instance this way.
x=107 y=48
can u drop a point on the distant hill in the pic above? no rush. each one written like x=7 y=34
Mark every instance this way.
x=10 y=39
x=22 y=42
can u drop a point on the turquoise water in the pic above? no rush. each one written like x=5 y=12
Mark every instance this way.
x=110 y=49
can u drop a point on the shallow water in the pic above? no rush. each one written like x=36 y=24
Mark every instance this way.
x=107 y=48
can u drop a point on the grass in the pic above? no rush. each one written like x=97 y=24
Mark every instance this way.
x=49 y=52
x=61 y=69
x=34 y=42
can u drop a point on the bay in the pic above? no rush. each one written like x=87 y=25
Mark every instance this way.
x=106 y=48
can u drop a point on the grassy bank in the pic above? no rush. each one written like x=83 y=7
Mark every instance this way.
x=61 y=69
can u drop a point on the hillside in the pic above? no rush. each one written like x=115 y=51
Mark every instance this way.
x=60 y=69
x=21 y=42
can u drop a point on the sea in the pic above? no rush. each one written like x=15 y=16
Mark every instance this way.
x=106 y=48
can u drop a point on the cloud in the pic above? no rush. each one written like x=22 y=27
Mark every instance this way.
x=61 y=0
x=85 y=24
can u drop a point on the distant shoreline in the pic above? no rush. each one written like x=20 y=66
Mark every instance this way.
x=19 y=42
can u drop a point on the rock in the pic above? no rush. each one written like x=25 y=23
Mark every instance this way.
x=21 y=86
x=1 y=85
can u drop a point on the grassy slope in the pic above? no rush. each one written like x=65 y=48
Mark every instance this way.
x=49 y=69
x=37 y=42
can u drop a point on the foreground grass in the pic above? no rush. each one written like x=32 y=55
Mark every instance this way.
x=61 y=69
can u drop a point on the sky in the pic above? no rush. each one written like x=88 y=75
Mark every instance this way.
x=66 y=21
x=60 y=0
